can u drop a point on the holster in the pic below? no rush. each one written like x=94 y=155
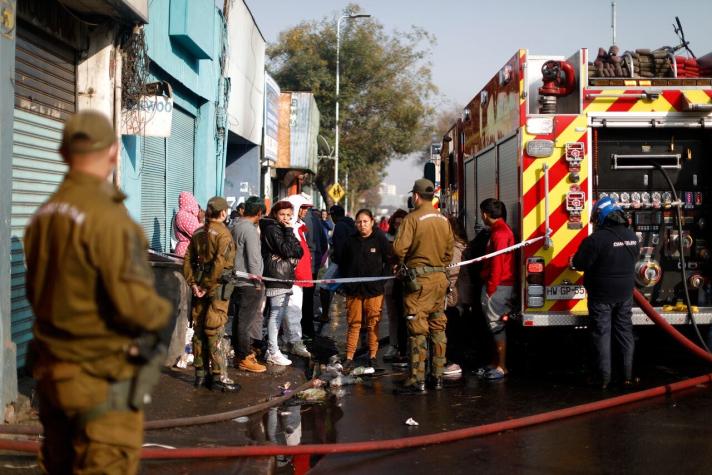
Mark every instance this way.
x=410 y=282
x=227 y=286
x=146 y=379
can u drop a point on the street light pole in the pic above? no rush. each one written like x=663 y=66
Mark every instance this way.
x=336 y=131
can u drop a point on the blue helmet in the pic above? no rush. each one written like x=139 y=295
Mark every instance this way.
x=604 y=207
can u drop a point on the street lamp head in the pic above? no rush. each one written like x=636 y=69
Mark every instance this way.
x=360 y=16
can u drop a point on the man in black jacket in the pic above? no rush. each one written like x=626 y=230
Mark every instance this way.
x=607 y=258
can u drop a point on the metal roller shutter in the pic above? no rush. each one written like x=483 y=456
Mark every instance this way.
x=153 y=192
x=45 y=96
x=471 y=207
x=179 y=170
x=37 y=171
x=508 y=172
x=486 y=177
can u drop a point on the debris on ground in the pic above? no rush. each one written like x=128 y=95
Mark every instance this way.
x=363 y=370
x=312 y=394
x=411 y=422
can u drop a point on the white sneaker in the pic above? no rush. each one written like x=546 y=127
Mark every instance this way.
x=451 y=369
x=278 y=359
x=298 y=349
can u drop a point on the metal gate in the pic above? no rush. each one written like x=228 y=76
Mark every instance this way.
x=167 y=170
x=508 y=172
x=45 y=90
x=179 y=170
x=153 y=192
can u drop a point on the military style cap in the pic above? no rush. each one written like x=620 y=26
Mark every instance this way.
x=423 y=186
x=88 y=131
x=217 y=204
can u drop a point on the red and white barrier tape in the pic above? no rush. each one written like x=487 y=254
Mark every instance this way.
x=353 y=280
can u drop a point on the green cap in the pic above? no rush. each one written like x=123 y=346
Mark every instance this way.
x=216 y=204
x=423 y=186
x=88 y=131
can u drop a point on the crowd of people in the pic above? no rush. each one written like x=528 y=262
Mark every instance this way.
x=275 y=308
x=101 y=328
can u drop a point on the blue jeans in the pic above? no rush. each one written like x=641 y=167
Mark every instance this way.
x=277 y=312
x=617 y=317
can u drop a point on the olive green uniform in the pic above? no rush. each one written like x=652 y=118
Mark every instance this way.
x=424 y=243
x=207 y=259
x=92 y=294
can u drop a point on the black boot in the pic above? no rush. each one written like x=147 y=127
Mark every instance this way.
x=226 y=387
x=200 y=380
x=411 y=386
x=437 y=383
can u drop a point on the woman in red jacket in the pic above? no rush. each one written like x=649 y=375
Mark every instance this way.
x=292 y=325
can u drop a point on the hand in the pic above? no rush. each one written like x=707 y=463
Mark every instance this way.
x=197 y=291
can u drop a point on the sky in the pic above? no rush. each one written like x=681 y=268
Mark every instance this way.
x=476 y=37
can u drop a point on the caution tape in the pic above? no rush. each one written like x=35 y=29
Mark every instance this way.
x=355 y=280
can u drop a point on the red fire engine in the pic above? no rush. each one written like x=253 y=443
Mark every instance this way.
x=548 y=135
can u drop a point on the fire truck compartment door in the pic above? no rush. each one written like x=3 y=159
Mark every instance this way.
x=486 y=176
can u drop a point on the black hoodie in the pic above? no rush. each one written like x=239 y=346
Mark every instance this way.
x=365 y=257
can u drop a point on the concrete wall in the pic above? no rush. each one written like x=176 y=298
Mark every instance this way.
x=8 y=370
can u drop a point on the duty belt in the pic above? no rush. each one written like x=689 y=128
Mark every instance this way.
x=423 y=270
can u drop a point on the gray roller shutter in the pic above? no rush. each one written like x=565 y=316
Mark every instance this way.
x=486 y=176
x=37 y=171
x=508 y=172
x=179 y=168
x=45 y=92
x=153 y=192
x=471 y=205
x=167 y=170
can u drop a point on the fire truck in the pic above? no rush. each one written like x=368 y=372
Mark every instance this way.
x=549 y=135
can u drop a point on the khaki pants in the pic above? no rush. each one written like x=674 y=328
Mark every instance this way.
x=209 y=319
x=359 y=309
x=426 y=320
x=107 y=444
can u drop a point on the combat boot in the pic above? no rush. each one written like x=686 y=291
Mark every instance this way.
x=436 y=382
x=411 y=386
x=225 y=386
x=200 y=380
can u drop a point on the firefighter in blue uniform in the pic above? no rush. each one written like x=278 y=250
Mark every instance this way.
x=607 y=259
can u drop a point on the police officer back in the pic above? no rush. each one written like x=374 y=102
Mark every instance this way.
x=424 y=243
x=207 y=268
x=607 y=258
x=91 y=290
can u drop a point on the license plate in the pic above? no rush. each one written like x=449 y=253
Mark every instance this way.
x=565 y=292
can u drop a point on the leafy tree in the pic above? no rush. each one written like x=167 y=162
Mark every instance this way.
x=385 y=90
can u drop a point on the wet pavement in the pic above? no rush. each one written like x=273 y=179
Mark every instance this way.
x=666 y=434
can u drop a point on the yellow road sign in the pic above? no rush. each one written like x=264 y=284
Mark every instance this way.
x=336 y=192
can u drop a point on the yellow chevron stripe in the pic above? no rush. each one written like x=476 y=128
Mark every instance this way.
x=658 y=105
x=530 y=177
x=602 y=104
x=697 y=96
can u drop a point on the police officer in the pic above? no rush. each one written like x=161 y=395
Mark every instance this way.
x=607 y=258
x=207 y=266
x=424 y=243
x=91 y=290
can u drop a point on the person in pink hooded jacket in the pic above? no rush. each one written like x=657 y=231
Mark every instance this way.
x=186 y=221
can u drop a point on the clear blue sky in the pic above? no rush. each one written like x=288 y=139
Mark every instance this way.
x=476 y=37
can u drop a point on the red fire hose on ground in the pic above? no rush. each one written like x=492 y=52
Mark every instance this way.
x=430 y=439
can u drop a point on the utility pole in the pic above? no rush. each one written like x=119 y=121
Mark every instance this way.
x=613 y=21
x=336 y=128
